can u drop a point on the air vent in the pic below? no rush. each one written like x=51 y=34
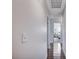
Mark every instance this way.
x=56 y=3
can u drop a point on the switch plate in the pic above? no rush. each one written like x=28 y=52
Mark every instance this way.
x=24 y=37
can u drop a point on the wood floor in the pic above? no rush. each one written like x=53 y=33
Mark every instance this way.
x=50 y=55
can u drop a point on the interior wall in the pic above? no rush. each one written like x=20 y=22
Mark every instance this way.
x=29 y=17
x=64 y=32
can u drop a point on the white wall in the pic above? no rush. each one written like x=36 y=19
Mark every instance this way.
x=29 y=17
x=64 y=32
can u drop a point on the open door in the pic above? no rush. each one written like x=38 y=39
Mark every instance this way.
x=55 y=49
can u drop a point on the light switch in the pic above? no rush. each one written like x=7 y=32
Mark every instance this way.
x=24 y=37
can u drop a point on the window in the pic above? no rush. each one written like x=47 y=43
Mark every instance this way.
x=57 y=31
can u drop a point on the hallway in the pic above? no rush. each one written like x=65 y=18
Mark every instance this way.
x=50 y=54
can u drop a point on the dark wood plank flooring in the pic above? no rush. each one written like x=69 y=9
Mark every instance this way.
x=50 y=55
